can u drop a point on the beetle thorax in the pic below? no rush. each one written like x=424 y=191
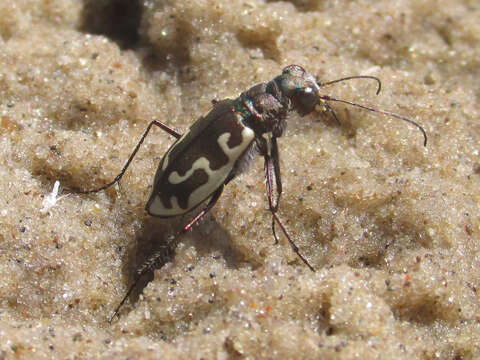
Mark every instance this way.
x=263 y=109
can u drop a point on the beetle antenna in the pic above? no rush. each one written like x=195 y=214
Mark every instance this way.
x=388 y=113
x=321 y=84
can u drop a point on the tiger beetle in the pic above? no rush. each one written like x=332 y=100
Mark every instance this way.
x=220 y=145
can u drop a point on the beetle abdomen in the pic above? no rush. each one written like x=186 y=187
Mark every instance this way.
x=199 y=162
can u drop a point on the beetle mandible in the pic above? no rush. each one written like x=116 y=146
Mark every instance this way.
x=220 y=145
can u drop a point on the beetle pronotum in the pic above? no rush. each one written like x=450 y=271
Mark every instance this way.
x=220 y=146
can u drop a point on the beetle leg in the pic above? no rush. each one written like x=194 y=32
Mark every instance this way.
x=206 y=209
x=272 y=209
x=269 y=185
x=132 y=155
x=273 y=162
x=148 y=265
x=144 y=269
x=164 y=127
x=276 y=170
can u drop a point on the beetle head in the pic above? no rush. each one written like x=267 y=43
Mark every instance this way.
x=300 y=88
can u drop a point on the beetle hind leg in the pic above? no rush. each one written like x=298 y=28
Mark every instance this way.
x=211 y=203
x=132 y=155
x=153 y=260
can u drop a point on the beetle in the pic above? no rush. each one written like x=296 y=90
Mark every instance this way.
x=220 y=145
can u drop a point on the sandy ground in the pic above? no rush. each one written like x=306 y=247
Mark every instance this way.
x=391 y=227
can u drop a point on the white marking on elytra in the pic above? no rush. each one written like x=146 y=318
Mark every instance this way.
x=215 y=177
x=157 y=207
x=201 y=163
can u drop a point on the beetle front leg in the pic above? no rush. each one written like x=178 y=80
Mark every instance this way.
x=269 y=184
x=276 y=171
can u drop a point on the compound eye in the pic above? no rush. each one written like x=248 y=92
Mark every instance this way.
x=305 y=100
x=308 y=90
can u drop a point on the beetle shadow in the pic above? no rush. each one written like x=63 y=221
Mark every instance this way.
x=211 y=239
x=158 y=237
